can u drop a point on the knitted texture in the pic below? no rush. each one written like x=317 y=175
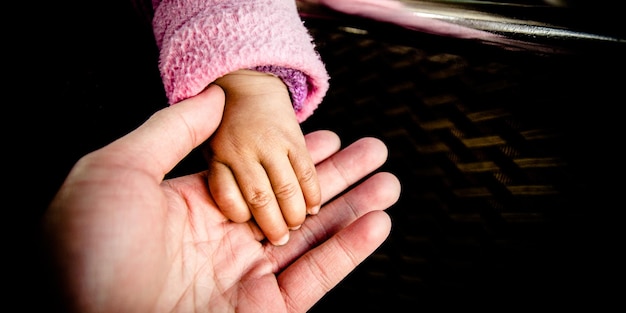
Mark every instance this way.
x=202 y=40
x=295 y=80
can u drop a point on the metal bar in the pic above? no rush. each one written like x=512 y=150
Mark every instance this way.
x=542 y=26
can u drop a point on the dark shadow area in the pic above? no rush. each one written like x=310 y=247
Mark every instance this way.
x=510 y=162
x=505 y=158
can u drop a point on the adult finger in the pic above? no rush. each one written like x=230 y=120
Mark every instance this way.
x=311 y=276
x=377 y=193
x=322 y=144
x=336 y=174
x=351 y=164
x=171 y=133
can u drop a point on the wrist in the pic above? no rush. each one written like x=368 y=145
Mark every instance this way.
x=296 y=81
x=250 y=82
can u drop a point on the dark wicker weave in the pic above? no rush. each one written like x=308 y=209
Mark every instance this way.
x=499 y=153
x=510 y=162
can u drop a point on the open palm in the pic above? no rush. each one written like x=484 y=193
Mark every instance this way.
x=124 y=240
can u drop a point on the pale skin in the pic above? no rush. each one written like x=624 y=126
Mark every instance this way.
x=123 y=239
x=259 y=165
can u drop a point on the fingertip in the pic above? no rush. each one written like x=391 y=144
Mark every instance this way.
x=379 y=192
x=378 y=225
x=374 y=144
x=369 y=150
x=322 y=144
x=212 y=91
x=328 y=135
x=323 y=134
x=295 y=220
x=206 y=112
x=212 y=94
x=170 y=134
x=313 y=210
x=283 y=240
x=392 y=183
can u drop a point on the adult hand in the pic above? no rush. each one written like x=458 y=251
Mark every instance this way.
x=125 y=240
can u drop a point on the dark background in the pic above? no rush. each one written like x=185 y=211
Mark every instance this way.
x=510 y=162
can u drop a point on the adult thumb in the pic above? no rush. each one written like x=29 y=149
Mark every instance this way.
x=173 y=132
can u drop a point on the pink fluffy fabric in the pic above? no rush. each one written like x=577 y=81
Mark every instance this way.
x=202 y=40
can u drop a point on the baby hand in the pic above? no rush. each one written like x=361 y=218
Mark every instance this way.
x=259 y=165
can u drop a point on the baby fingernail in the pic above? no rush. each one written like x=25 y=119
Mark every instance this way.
x=314 y=210
x=283 y=241
x=295 y=227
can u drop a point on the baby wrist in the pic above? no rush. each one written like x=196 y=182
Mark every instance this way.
x=295 y=80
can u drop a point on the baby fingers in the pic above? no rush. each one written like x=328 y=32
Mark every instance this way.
x=288 y=190
x=225 y=191
x=264 y=199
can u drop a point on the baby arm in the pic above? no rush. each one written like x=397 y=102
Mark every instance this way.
x=202 y=42
x=259 y=166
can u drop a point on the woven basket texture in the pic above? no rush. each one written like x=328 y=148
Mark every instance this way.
x=510 y=162
x=499 y=154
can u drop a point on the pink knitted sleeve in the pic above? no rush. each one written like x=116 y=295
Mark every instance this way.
x=202 y=40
